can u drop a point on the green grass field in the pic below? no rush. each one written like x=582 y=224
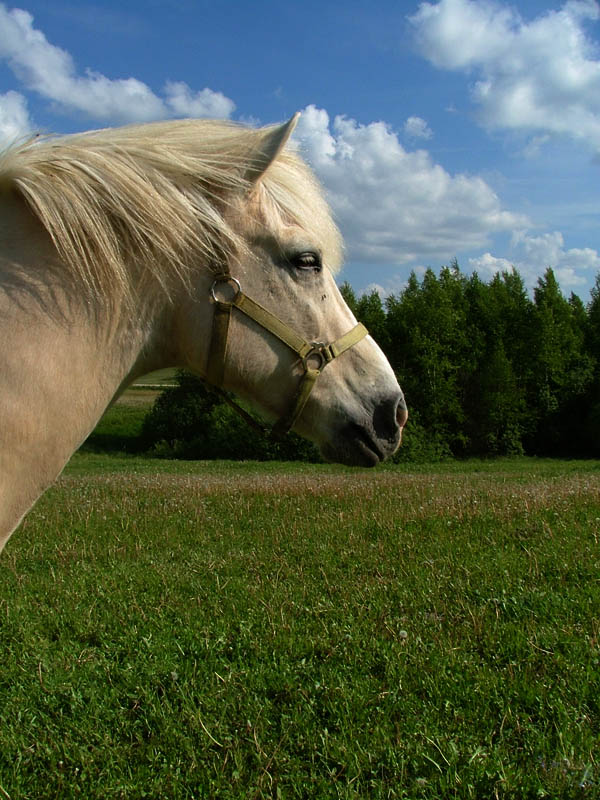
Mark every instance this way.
x=218 y=630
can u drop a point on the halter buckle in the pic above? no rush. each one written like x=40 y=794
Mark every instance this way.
x=320 y=351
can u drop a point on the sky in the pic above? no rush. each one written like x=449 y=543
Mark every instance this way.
x=457 y=129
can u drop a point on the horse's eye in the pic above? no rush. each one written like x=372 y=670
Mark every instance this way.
x=306 y=261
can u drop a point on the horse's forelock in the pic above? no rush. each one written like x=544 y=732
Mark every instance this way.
x=289 y=194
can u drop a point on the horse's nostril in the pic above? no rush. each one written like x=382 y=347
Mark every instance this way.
x=390 y=416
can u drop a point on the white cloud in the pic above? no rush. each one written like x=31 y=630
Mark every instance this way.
x=417 y=128
x=541 y=75
x=394 y=284
x=488 y=265
x=375 y=287
x=393 y=205
x=532 y=255
x=14 y=118
x=184 y=102
x=50 y=72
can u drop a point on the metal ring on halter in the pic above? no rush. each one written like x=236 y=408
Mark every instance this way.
x=229 y=279
x=318 y=350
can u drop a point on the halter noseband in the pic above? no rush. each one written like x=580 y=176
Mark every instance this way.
x=318 y=354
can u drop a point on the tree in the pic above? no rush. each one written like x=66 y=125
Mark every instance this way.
x=427 y=329
x=593 y=328
x=497 y=428
x=563 y=369
x=499 y=322
x=370 y=311
x=591 y=414
x=349 y=296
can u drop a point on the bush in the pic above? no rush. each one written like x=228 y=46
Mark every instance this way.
x=192 y=421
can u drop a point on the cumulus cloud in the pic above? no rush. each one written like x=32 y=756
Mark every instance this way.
x=14 y=118
x=541 y=75
x=51 y=72
x=489 y=265
x=185 y=102
x=394 y=205
x=534 y=254
x=417 y=128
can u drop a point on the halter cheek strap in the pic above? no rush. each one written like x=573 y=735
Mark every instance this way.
x=314 y=356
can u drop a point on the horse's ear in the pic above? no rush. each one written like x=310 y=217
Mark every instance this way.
x=269 y=147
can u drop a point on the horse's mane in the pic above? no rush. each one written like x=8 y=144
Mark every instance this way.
x=158 y=195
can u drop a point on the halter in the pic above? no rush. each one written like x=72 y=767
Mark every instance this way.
x=314 y=356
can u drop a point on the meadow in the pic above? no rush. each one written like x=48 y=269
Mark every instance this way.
x=246 y=630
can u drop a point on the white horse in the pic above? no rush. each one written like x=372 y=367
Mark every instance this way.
x=191 y=243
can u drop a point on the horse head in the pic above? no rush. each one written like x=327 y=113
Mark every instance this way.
x=291 y=347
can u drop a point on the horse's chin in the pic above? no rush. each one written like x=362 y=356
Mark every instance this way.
x=356 y=446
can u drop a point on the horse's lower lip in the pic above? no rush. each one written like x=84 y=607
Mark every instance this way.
x=369 y=448
x=355 y=447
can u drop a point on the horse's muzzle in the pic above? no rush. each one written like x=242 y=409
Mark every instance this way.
x=366 y=442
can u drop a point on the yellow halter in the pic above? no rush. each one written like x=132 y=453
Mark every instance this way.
x=314 y=356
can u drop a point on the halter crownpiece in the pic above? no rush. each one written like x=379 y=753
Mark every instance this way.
x=226 y=294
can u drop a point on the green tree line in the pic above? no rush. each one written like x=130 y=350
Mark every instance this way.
x=487 y=370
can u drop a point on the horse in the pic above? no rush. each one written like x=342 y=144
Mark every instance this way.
x=202 y=244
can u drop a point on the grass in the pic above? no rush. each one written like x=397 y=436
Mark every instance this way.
x=120 y=428
x=304 y=631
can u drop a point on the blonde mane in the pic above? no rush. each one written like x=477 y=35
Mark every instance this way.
x=159 y=196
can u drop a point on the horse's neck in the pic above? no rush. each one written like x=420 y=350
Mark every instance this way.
x=59 y=370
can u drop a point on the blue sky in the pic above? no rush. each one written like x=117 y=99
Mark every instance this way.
x=458 y=128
